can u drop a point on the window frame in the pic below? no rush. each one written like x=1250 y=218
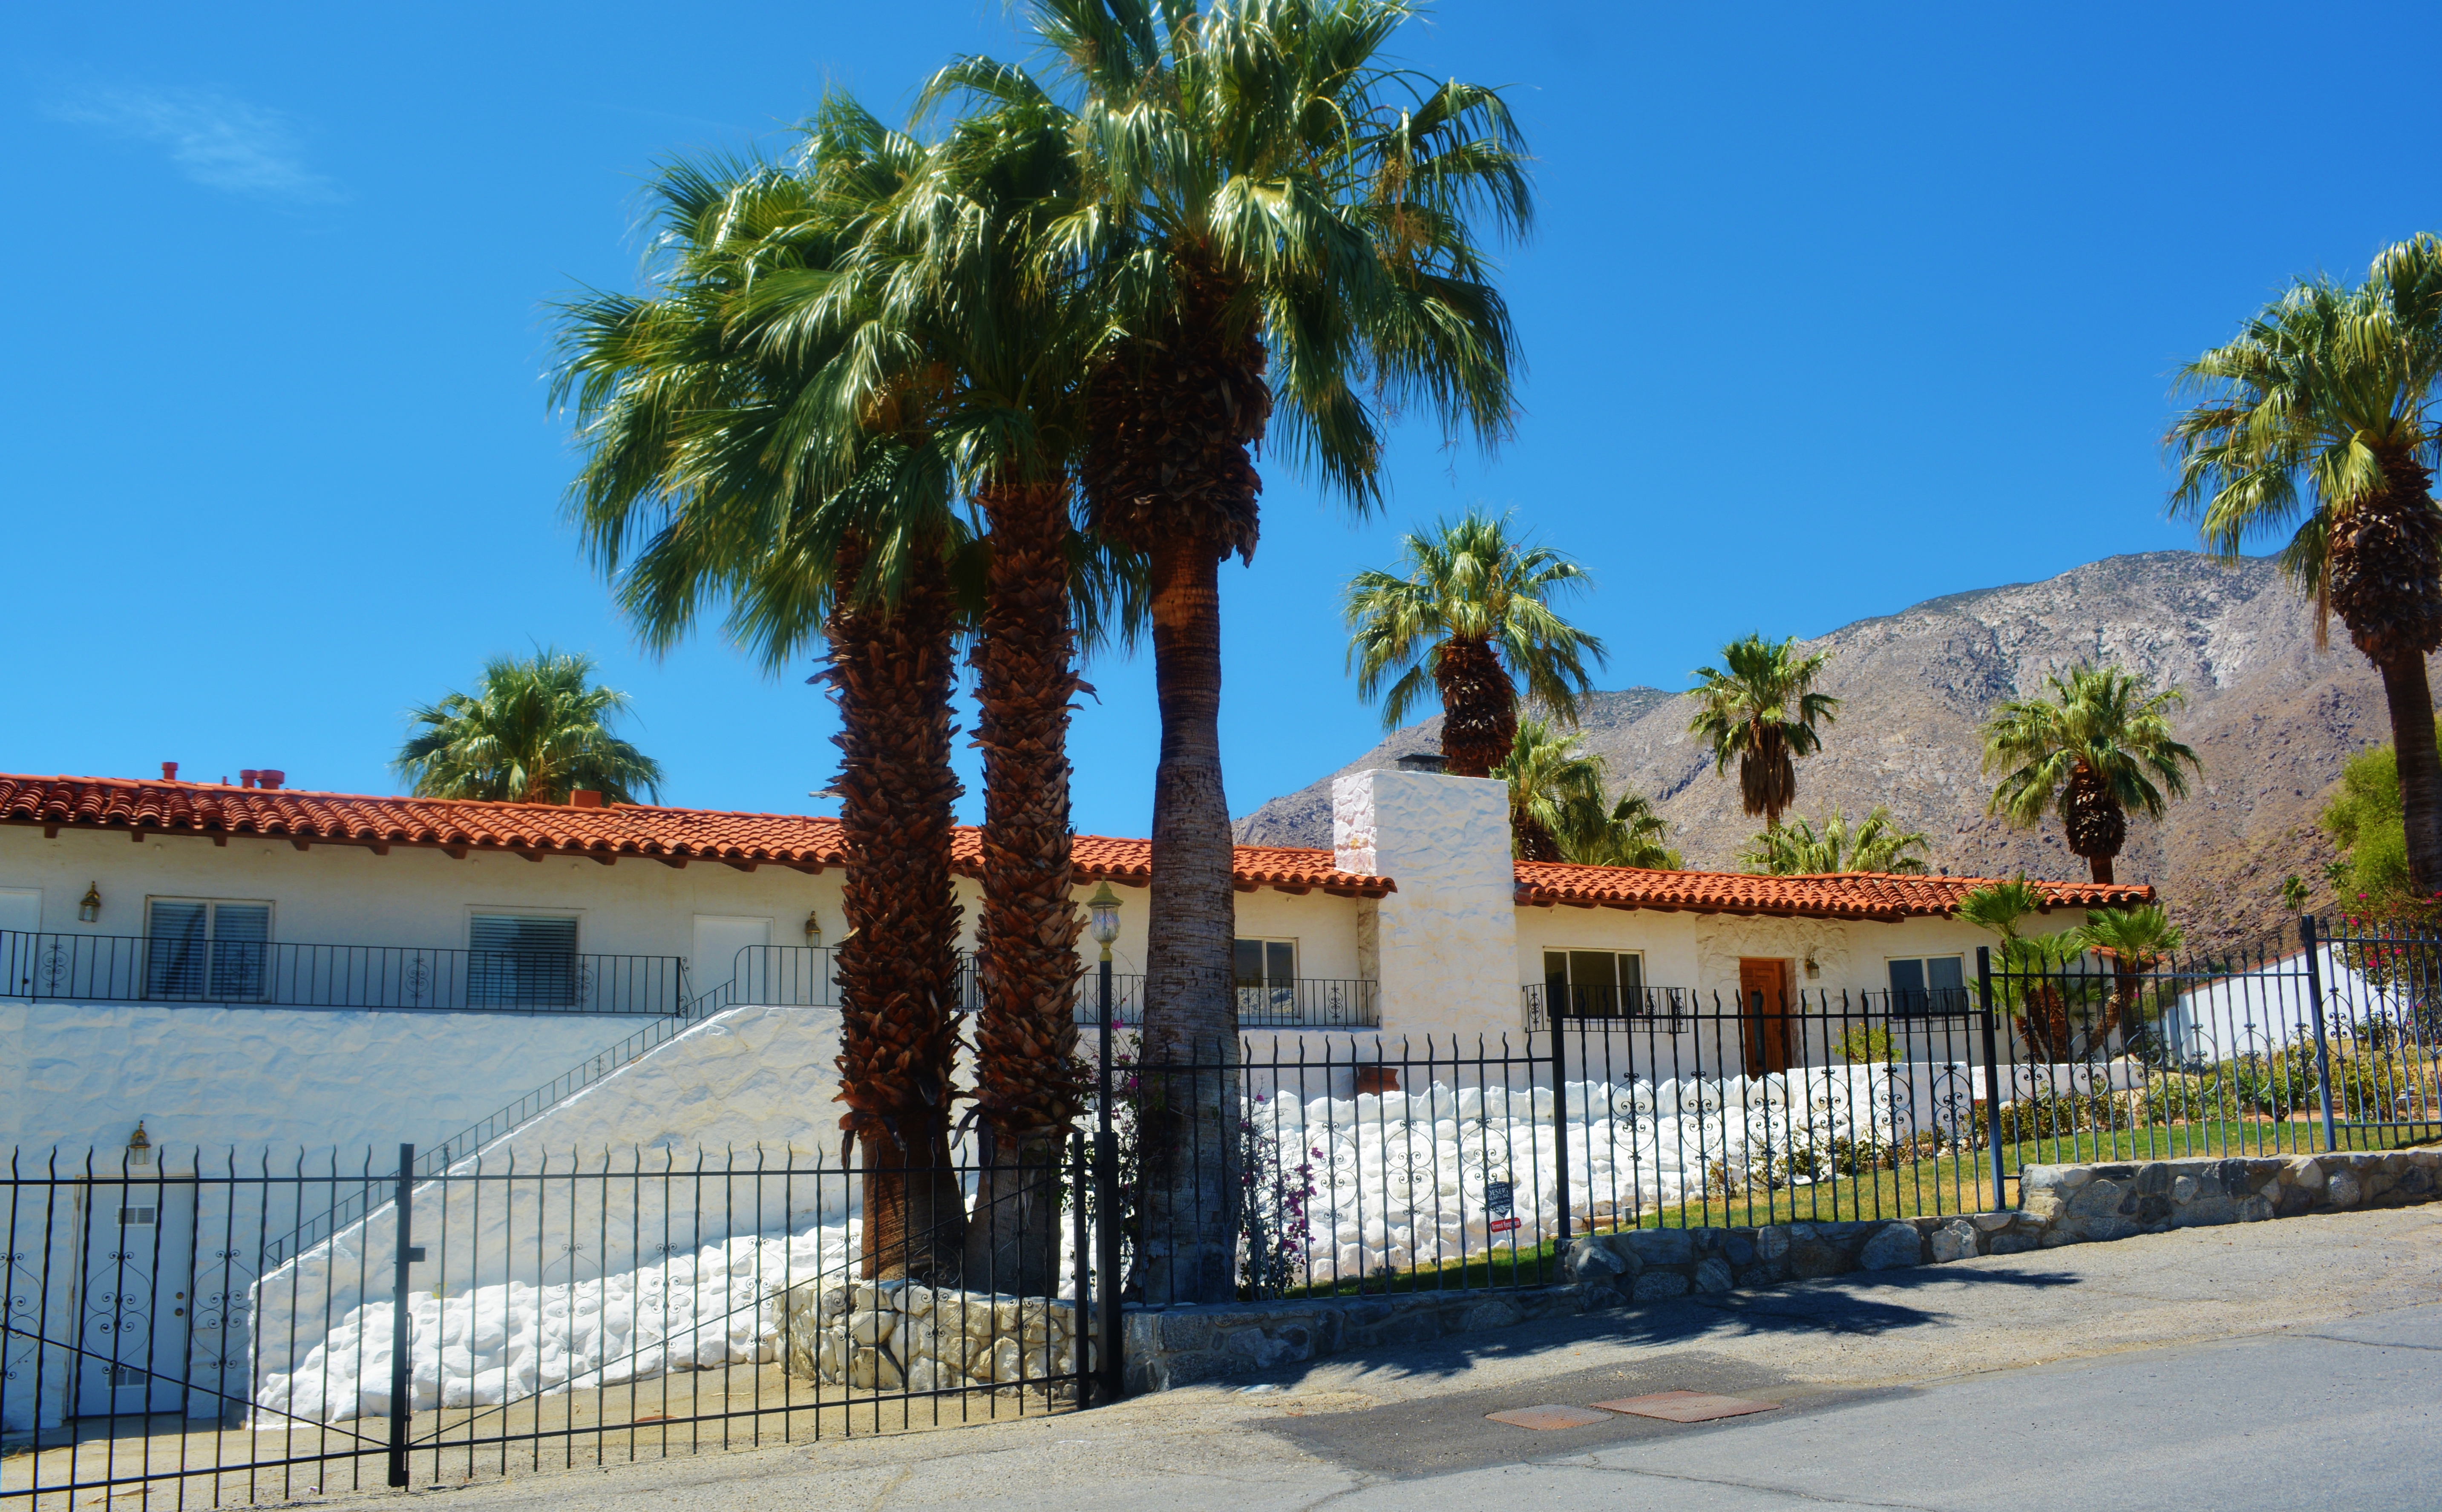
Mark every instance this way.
x=494 y=978
x=1629 y=999
x=223 y=971
x=1924 y=1006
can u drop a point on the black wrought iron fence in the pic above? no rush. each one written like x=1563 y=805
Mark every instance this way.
x=2322 y=1037
x=1318 y=1167
x=134 y=969
x=493 y=1316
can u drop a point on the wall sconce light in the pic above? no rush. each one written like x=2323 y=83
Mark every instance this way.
x=814 y=928
x=1102 y=910
x=89 y=909
x=1814 y=967
x=140 y=1149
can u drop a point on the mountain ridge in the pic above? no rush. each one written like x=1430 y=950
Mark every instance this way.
x=2272 y=718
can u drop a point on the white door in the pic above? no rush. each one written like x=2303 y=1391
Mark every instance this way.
x=135 y=1313
x=730 y=952
x=21 y=915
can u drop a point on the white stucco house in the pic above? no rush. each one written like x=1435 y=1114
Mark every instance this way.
x=248 y=965
x=297 y=983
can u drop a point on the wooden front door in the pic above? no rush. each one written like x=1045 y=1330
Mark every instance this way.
x=1763 y=1008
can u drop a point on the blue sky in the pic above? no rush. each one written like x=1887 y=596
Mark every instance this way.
x=1827 y=312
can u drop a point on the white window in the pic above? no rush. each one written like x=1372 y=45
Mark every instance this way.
x=1595 y=983
x=1265 y=975
x=1266 y=962
x=523 y=960
x=1928 y=984
x=204 y=949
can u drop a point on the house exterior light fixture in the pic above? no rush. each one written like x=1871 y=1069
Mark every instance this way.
x=89 y=907
x=1814 y=967
x=1103 y=909
x=814 y=928
x=140 y=1149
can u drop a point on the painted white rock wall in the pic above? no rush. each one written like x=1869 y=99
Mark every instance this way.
x=275 y=1079
x=1446 y=939
x=747 y=1088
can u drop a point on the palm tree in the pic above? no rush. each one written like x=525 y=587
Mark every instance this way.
x=2135 y=940
x=535 y=730
x=1278 y=225
x=1761 y=713
x=2334 y=388
x=1799 y=850
x=1556 y=810
x=2037 y=981
x=968 y=304
x=700 y=483
x=1471 y=619
x=2099 y=747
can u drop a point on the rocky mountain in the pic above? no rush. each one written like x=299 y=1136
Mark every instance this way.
x=2272 y=718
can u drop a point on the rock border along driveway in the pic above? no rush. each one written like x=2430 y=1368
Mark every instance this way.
x=2060 y=1205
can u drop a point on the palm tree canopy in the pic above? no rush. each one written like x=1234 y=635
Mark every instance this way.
x=2323 y=403
x=1998 y=906
x=1469 y=580
x=1557 y=806
x=1257 y=169
x=1760 y=709
x=535 y=730
x=767 y=403
x=1800 y=849
x=2097 y=720
x=2138 y=937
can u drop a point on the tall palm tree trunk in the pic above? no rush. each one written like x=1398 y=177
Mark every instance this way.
x=1190 y=1230
x=891 y=672
x=1167 y=473
x=1479 y=707
x=2386 y=586
x=1026 y=1040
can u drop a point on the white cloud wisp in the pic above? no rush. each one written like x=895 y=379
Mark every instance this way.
x=215 y=139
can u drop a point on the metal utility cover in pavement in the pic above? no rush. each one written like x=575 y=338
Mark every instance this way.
x=1685 y=1407
x=1547 y=1417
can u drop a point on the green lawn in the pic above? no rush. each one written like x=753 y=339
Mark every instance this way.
x=1948 y=1184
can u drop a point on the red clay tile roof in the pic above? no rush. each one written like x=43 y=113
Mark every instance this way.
x=672 y=837
x=1848 y=895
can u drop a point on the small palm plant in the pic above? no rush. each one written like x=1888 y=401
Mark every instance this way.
x=536 y=729
x=2099 y=746
x=2134 y=941
x=1799 y=850
x=1558 y=811
x=1471 y=619
x=1760 y=710
x=2038 y=983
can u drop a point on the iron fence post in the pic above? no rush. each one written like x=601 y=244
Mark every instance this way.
x=1079 y=1175
x=399 y=1372
x=1992 y=1067
x=1560 y=1126
x=2315 y=1007
x=1111 y=1365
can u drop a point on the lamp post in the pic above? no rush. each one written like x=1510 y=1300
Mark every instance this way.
x=1102 y=910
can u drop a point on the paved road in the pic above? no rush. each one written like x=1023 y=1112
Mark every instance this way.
x=2285 y=1365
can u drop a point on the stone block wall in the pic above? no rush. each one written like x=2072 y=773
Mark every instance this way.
x=2062 y=1205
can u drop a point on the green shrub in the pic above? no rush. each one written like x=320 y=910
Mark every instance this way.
x=1866 y=1045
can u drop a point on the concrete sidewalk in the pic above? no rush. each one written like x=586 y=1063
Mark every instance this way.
x=2290 y=1364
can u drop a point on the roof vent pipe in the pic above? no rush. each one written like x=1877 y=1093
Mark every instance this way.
x=245 y=777
x=169 y=772
x=270 y=777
